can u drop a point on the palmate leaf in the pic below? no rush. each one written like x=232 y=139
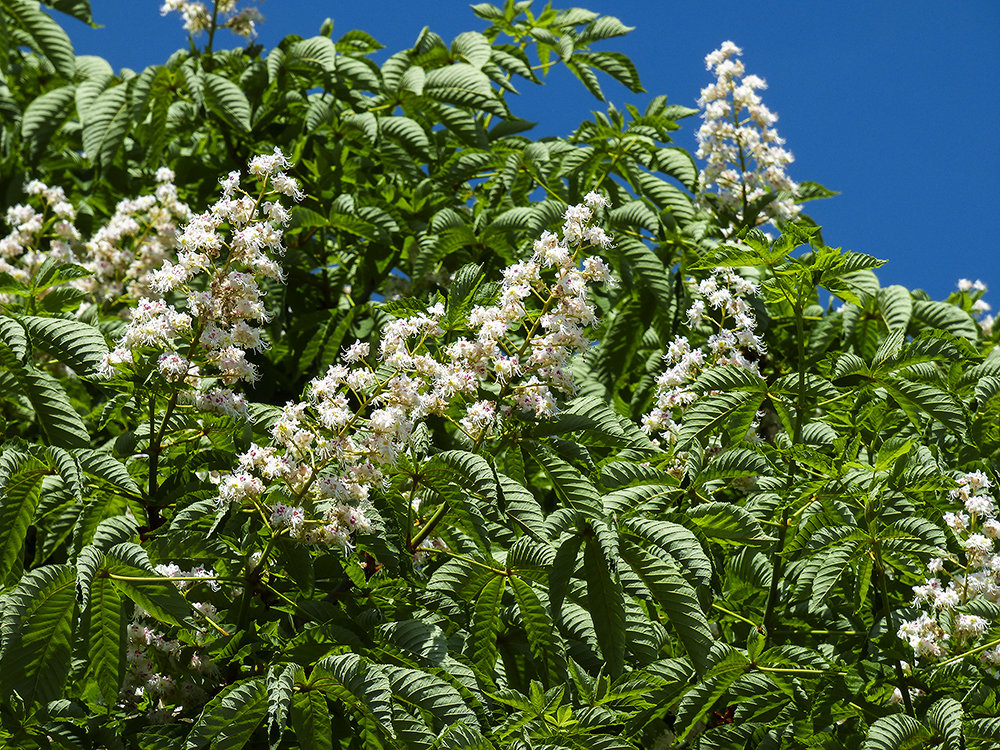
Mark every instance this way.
x=160 y=598
x=676 y=542
x=678 y=163
x=599 y=419
x=575 y=491
x=231 y=717
x=45 y=34
x=561 y=571
x=914 y=397
x=896 y=306
x=648 y=268
x=462 y=85
x=728 y=524
x=102 y=465
x=987 y=730
x=11 y=332
x=730 y=413
x=947 y=317
x=417 y=638
x=736 y=462
x=72 y=342
x=834 y=562
x=896 y=732
x=36 y=655
x=676 y=598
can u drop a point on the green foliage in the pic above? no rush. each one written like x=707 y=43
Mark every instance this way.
x=716 y=557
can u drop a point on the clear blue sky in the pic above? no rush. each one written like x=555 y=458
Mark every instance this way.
x=895 y=104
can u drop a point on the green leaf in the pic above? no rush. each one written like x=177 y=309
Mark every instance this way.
x=832 y=565
x=226 y=100
x=311 y=720
x=106 y=637
x=675 y=541
x=45 y=34
x=105 y=124
x=280 y=682
x=604 y=27
x=363 y=689
x=432 y=694
x=912 y=396
x=546 y=649
x=41 y=609
x=573 y=488
x=462 y=85
x=19 y=497
x=72 y=342
x=891 y=732
x=158 y=597
x=231 y=717
x=729 y=413
x=56 y=416
x=605 y=600
x=677 y=599
x=78 y=9
x=44 y=115
x=104 y=466
x=729 y=524
x=946 y=316
x=896 y=306
x=486 y=623
x=945 y=718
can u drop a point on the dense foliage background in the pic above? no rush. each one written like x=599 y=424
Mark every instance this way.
x=430 y=434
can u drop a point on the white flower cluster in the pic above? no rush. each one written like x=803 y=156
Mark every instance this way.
x=744 y=154
x=172 y=570
x=158 y=672
x=121 y=254
x=941 y=630
x=329 y=451
x=137 y=239
x=198 y=17
x=22 y=251
x=218 y=279
x=735 y=341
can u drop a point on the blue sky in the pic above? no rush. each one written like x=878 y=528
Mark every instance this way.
x=895 y=104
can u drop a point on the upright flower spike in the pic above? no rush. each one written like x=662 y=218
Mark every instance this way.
x=745 y=156
x=222 y=256
x=335 y=447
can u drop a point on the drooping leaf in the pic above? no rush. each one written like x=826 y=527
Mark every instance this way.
x=41 y=611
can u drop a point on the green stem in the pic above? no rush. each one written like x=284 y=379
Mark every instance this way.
x=733 y=614
x=428 y=527
x=975 y=650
